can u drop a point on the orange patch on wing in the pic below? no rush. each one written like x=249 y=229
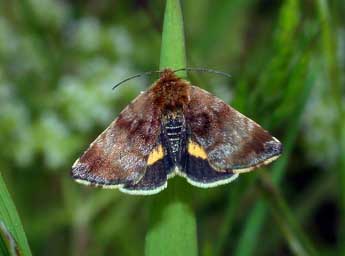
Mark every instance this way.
x=155 y=155
x=196 y=150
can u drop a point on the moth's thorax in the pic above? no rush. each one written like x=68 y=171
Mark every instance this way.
x=171 y=92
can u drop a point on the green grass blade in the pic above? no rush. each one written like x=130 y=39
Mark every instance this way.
x=10 y=218
x=173 y=52
x=172 y=228
x=8 y=246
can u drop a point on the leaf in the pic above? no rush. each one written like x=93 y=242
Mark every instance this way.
x=8 y=246
x=10 y=218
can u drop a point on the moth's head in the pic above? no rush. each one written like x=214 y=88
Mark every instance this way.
x=170 y=91
x=168 y=76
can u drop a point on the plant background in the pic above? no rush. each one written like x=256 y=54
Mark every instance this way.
x=58 y=62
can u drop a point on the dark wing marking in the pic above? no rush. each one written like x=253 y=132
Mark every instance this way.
x=119 y=155
x=200 y=173
x=159 y=168
x=231 y=141
x=154 y=181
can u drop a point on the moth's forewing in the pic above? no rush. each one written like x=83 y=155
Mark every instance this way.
x=232 y=142
x=119 y=156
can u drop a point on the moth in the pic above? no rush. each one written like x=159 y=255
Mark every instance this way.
x=175 y=128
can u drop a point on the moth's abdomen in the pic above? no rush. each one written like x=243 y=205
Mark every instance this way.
x=174 y=135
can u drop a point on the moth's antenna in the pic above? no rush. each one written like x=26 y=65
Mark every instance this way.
x=204 y=70
x=176 y=70
x=137 y=75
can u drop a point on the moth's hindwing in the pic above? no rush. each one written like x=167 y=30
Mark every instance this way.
x=156 y=173
x=198 y=170
x=231 y=141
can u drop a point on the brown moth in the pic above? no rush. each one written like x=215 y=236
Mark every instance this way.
x=175 y=128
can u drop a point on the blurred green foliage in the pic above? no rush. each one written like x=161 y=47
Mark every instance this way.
x=58 y=62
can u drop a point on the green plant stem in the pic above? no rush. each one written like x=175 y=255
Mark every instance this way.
x=172 y=229
x=10 y=217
